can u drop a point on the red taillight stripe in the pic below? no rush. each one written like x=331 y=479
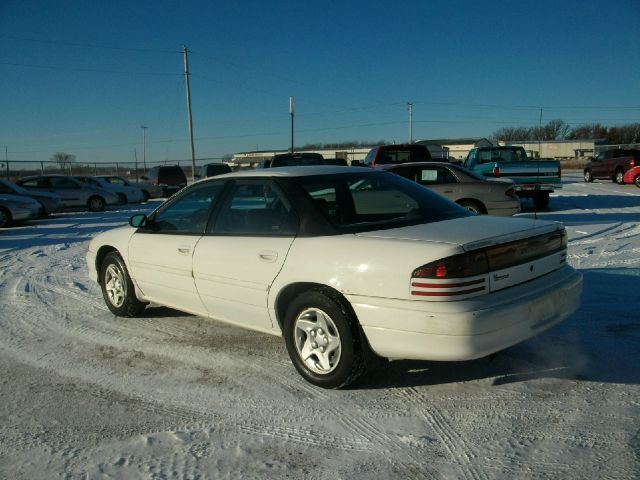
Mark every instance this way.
x=447 y=285
x=446 y=294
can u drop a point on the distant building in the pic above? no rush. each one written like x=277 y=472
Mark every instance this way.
x=559 y=149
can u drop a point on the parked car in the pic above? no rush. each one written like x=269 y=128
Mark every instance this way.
x=612 y=164
x=340 y=262
x=120 y=181
x=294 y=160
x=468 y=189
x=633 y=176
x=72 y=192
x=212 y=169
x=534 y=179
x=125 y=193
x=17 y=208
x=165 y=180
x=394 y=154
x=50 y=203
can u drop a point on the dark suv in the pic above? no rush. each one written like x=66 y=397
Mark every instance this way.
x=168 y=179
x=394 y=154
x=295 y=160
x=612 y=164
x=212 y=169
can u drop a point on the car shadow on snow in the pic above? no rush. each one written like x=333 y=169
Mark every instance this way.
x=598 y=343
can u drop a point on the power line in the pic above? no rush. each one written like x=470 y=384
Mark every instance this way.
x=88 y=70
x=89 y=45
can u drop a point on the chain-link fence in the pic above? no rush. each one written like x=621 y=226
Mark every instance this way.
x=14 y=169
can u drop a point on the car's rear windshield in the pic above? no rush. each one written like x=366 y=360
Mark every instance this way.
x=501 y=155
x=365 y=201
x=402 y=154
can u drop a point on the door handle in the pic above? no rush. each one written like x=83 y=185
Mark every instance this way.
x=184 y=250
x=268 y=255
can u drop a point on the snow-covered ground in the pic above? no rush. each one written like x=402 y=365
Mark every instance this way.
x=84 y=394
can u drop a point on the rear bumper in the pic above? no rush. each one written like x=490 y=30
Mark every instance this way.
x=450 y=331
x=537 y=187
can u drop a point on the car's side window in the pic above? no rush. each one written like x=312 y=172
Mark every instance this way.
x=189 y=213
x=256 y=207
x=62 y=182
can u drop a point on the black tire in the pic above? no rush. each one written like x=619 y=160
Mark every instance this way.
x=588 y=176
x=619 y=177
x=96 y=204
x=122 y=199
x=320 y=326
x=541 y=200
x=146 y=196
x=473 y=206
x=118 y=290
x=5 y=218
x=636 y=180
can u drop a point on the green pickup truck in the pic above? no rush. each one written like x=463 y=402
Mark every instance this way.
x=534 y=179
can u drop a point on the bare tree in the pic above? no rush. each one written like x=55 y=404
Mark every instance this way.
x=63 y=159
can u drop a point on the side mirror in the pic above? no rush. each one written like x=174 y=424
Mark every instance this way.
x=138 y=221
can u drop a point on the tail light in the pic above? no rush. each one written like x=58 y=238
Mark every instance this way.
x=467 y=274
x=453 y=276
x=154 y=182
x=496 y=171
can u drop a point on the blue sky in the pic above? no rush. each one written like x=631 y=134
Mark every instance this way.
x=83 y=76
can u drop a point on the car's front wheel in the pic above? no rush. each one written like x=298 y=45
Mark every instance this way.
x=588 y=176
x=117 y=287
x=96 y=204
x=323 y=339
x=636 y=180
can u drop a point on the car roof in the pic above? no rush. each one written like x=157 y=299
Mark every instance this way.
x=302 y=171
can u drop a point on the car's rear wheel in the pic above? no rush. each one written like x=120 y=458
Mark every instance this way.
x=122 y=199
x=96 y=204
x=473 y=206
x=323 y=339
x=636 y=180
x=588 y=176
x=619 y=177
x=117 y=287
x=541 y=200
x=5 y=218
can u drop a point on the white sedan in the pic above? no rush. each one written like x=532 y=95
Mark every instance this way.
x=341 y=261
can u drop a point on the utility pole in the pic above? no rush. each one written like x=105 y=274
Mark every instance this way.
x=540 y=135
x=291 y=113
x=135 y=156
x=144 y=147
x=410 y=105
x=186 y=81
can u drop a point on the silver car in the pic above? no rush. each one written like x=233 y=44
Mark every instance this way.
x=50 y=203
x=466 y=188
x=16 y=208
x=72 y=192
x=126 y=193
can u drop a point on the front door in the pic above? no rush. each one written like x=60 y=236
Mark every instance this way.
x=236 y=262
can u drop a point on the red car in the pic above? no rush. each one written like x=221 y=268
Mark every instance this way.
x=633 y=176
x=612 y=164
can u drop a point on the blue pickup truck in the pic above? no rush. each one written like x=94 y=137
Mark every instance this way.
x=534 y=179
